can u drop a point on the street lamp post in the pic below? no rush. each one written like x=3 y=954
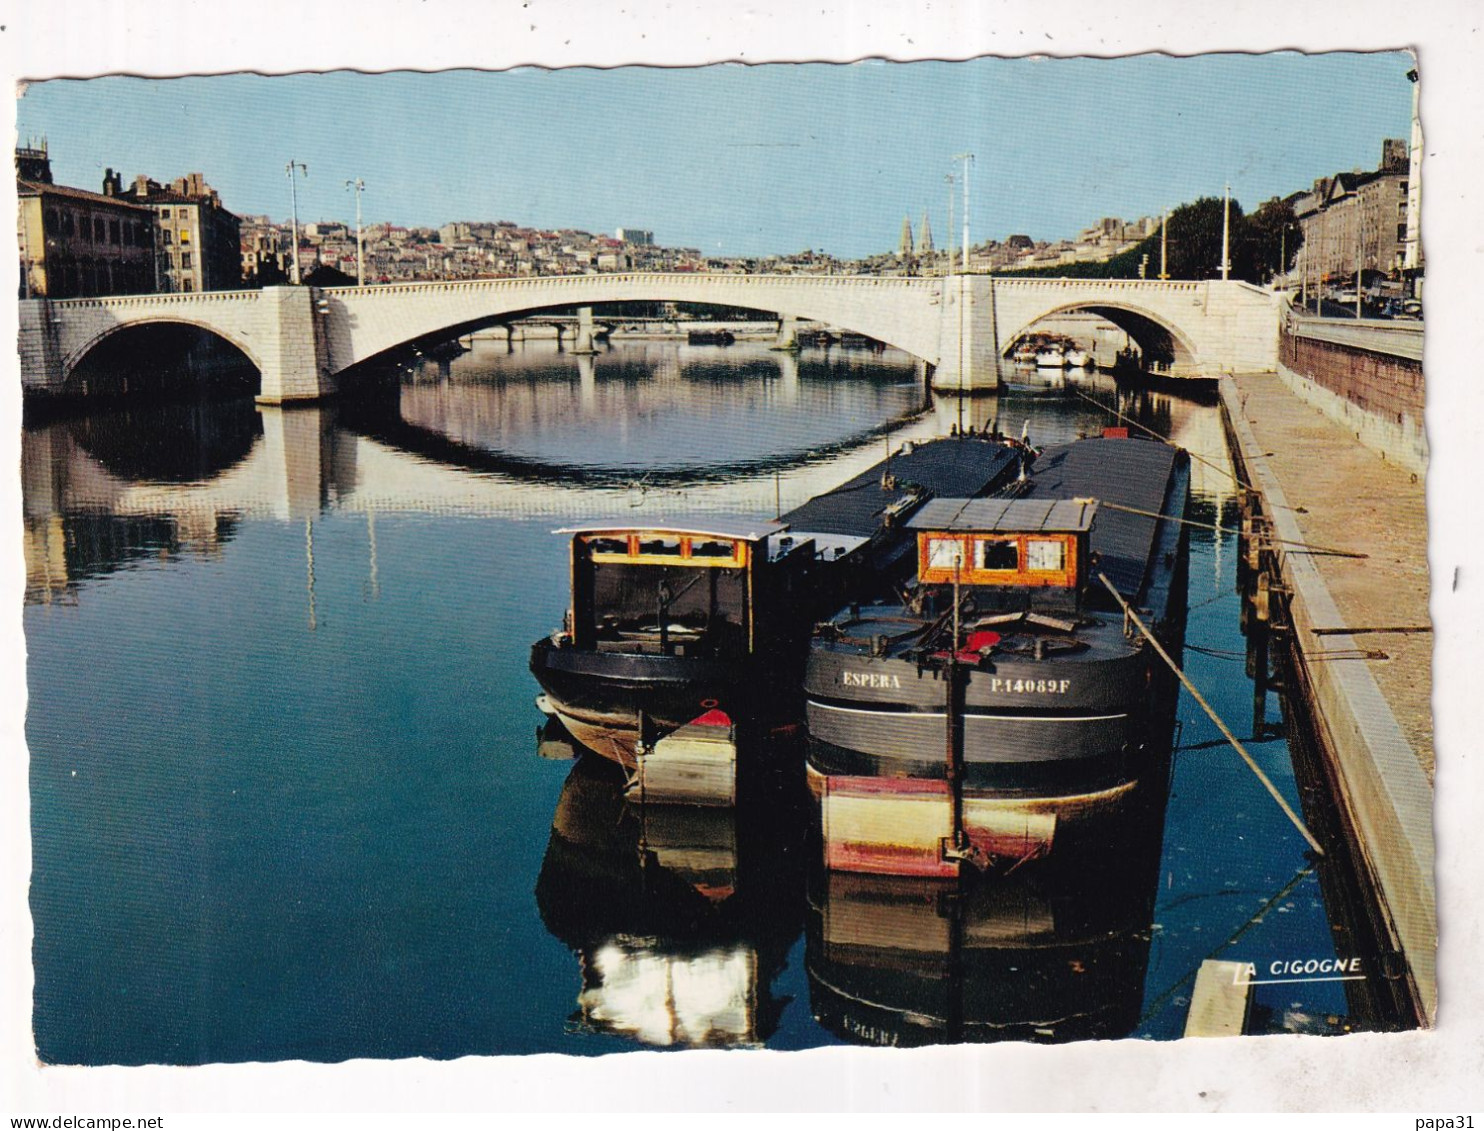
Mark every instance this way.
x=1164 y=245
x=290 y=169
x=1320 y=264
x=967 y=159
x=949 y=269
x=1226 y=223
x=360 y=187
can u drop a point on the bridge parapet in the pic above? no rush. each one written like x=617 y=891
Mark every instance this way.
x=166 y=301
x=646 y=280
x=1146 y=286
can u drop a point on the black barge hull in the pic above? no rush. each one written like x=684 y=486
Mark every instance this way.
x=602 y=698
x=1059 y=737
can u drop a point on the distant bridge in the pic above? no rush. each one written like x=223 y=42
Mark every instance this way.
x=303 y=339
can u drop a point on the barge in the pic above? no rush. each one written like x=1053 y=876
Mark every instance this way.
x=710 y=338
x=1006 y=703
x=706 y=621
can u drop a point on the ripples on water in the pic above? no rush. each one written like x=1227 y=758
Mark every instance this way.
x=285 y=797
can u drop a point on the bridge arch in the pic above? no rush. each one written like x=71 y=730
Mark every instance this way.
x=902 y=313
x=79 y=353
x=1161 y=341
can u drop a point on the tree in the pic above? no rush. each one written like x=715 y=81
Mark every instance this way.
x=1275 y=237
x=1195 y=241
x=1193 y=246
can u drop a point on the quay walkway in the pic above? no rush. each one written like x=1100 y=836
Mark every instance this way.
x=1371 y=685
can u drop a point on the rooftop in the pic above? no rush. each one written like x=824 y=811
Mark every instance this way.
x=1018 y=516
x=37 y=188
x=715 y=526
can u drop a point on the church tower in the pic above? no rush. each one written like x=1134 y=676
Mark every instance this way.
x=924 y=236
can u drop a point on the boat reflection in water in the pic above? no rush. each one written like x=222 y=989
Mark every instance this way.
x=680 y=916
x=1047 y=953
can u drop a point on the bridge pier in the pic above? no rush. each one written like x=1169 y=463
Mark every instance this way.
x=968 y=360
x=584 y=331
x=294 y=355
x=788 y=333
x=40 y=348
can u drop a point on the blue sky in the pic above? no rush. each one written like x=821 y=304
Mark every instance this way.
x=745 y=160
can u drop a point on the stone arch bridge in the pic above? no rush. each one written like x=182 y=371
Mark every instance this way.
x=302 y=339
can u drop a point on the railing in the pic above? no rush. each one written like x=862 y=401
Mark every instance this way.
x=1173 y=286
x=636 y=278
x=697 y=280
x=192 y=299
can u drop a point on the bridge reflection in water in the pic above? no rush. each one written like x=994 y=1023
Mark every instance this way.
x=538 y=434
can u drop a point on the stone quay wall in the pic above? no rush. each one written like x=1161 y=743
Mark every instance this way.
x=1366 y=377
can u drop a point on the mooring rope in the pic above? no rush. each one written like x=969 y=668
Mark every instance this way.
x=1303 y=547
x=1228 y=472
x=1215 y=718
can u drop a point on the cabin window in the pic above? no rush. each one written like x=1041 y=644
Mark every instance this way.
x=609 y=545
x=945 y=553
x=1045 y=554
x=711 y=548
x=663 y=605
x=668 y=547
x=998 y=553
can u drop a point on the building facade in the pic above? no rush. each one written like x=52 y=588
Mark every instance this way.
x=78 y=244
x=1358 y=221
x=199 y=245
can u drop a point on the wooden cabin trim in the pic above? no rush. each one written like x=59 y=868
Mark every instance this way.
x=967 y=573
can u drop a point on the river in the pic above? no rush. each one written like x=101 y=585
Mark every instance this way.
x=286 y=800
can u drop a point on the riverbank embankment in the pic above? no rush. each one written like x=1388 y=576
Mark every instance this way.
x=1361 y=631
